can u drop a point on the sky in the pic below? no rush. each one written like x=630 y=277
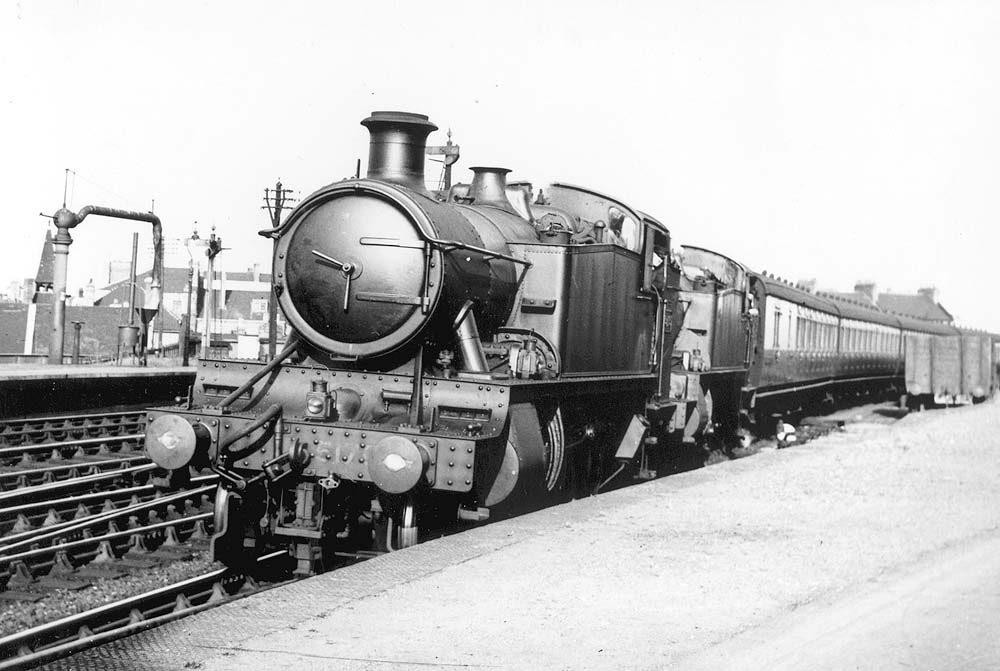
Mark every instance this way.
x=840 y=140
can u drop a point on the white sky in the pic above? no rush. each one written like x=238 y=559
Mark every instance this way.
x=836 y=140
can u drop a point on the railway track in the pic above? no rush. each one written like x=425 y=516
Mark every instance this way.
x=44 y=450
x=32 y=431
x=45 y=509
x=148 y=520
x=127 y=616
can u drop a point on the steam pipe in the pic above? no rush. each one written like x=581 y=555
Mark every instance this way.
x=291 y=345
x=467 y=335
x=269 y=415
x=66 y=219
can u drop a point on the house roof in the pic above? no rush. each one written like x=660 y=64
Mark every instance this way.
x=247 y=276
x=237 y=304
x=174 y=281
x=98 y=334
x=45 y=275
x=855 y=297
x=918 y=306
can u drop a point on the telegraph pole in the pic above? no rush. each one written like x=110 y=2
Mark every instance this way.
x=189 y=243
x=274 y=202
x=212 y=250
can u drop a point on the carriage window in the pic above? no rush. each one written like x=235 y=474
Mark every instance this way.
x=777 y=328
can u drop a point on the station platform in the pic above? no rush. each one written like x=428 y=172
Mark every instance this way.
x=782 y=560
x=37 y=390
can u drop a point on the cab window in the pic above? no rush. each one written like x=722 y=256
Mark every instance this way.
x=622 y=229
x=656 y=257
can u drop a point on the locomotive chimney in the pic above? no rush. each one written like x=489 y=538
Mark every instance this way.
x=397 y=147
x=489 y=187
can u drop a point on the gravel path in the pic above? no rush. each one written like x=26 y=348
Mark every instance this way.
x=650 y=577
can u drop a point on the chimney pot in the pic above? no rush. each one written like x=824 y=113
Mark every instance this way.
x=869 y=289
x=930 y=293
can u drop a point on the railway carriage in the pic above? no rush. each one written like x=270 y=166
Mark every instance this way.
x=791 y=351
x=813 y=349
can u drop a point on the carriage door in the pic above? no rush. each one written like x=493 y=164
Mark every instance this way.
x=751 y=321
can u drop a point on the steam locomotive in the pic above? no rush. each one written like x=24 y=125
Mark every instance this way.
x=494 y=347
